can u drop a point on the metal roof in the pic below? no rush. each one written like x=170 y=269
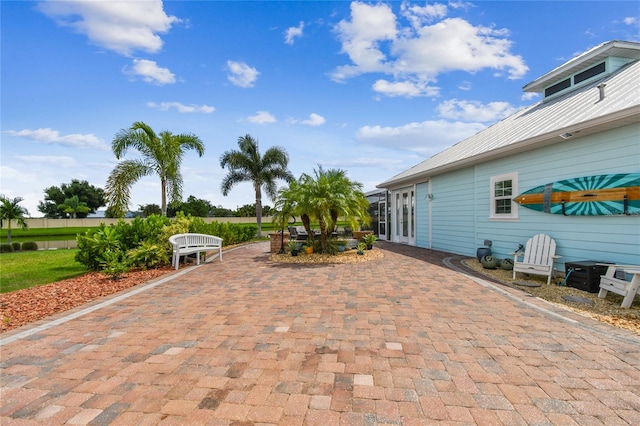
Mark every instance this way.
x=575 y=114
x=615 y=48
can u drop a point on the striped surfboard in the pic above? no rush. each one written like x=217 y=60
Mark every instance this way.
x=601 y=195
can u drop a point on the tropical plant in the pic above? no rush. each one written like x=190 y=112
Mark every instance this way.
x=113 y=263
x=324 y=197
x=369 y=240
x=293 y=245
x=361 y=247
x=247 y=165
x=148 y=255
x=73 y=206
x=97 y=247
x=10 y=210
x=91 y=196
x=161 y=154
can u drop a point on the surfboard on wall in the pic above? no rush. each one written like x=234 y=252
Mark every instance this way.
x=601 y=195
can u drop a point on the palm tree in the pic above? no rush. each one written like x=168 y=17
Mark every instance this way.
x=247 y=165
x=325 y=196
x=10 y=210
x=161 y=154
x=73 y=206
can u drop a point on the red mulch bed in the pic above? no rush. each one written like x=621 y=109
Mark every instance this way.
x=32 y=304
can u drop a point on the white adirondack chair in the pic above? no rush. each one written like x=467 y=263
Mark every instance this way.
x=627 y=289
x=538 y=257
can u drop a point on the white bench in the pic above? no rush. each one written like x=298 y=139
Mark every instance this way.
x=184 y=244
x=627 y=289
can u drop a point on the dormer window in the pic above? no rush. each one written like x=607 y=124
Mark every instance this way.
x=557 y=87
x=587 y=74
x=571 y=82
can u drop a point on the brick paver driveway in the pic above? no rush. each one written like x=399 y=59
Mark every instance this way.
x=401 y=341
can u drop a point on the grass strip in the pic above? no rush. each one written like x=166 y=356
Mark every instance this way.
x=32 y=268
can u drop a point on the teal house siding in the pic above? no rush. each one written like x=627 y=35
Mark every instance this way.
x=422 y=215
x=602 y=238
x=453 y=212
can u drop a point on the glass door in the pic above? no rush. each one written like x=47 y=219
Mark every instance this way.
x=382 y=217
x=405 y=216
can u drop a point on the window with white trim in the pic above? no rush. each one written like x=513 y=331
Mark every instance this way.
x=503 y=189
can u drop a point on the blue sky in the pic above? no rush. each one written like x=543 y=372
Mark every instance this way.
x=369 y=87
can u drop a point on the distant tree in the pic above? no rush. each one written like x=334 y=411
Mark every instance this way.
x=196 y=207
x=161 y=155
x=10 y=210
x=220 y=211
x=149 y=209
x=249 y=210
x=247 y=165
x=73 y=207
x=92 y=197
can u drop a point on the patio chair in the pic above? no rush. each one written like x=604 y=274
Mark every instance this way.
x=538 y=257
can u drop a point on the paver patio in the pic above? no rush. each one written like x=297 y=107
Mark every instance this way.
x=401 y=341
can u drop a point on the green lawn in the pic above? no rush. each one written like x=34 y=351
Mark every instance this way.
x=42 y=234
x=26 y=269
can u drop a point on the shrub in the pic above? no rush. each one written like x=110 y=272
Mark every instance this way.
x=148 y=255
x=16 y=246
x=95 y=245
x=29 y=246
x=6 y=248
x=114 y=263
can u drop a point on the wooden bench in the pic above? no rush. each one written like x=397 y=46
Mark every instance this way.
x=627 y=289
x=184 y=244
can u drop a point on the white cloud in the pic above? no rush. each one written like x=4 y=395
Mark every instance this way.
x=418 y=15
x=314 y=120
x=475 y=111
x=361 y=37
x=426 y=138
x=241 y=74
x=56 y=160
x=262 y=117
x=180 y=107
x=151 y=72
x=529 y=96
x=120 y=26
x=50 y=136
x=406 y=89
x=292 y=33
x=630 y=20
x=417 y=53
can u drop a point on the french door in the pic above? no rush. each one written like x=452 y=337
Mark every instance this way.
x=404 y=216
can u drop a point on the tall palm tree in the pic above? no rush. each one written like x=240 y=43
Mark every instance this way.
x=247 y=165
x=161 y=154
x=10 y=210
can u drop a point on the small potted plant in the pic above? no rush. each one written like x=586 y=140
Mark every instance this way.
x=361 y=248
x=308 y=247
x=342 y=245
x=369 y=240
x=293 y=247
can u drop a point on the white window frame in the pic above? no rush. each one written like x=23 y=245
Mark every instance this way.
x=513 y=177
